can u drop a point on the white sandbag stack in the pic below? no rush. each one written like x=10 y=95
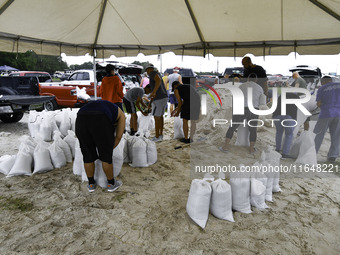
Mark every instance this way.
x=221 y=200
x=42 y=158
x=270 y=177
x=6 y=163
x=307 y=152
x=78 y=164
x=151 y=151
x=199 y=201
x=71 y=139
x=240 y=189
x=64 y=146
x=118 y=157
x=178 y=128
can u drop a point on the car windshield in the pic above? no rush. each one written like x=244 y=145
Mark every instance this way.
x=41 y=77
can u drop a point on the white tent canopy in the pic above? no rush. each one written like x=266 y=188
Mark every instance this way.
x=186 y=27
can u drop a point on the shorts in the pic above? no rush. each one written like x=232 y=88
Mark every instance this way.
x=173 y=99
x=129 y=106
x=96 y=135
x=159 y=106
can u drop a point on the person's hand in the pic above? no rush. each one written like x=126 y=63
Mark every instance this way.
x=306 y=126
x=236 y=79
x=145 y=113
x=153 y=95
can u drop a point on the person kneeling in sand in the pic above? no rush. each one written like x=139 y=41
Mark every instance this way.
x=96 y=125
x=134 y=99
x=189 y=106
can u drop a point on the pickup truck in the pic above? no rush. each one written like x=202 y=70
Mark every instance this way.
x=17 y=95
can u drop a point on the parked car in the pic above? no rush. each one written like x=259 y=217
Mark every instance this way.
x=231 y=72
x=42 y=76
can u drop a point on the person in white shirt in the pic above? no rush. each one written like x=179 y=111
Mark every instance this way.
x=248 y=115
x=175 y=76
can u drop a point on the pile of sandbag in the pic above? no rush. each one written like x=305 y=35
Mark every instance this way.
x=37 y=156
x=246 y=189
x=135 y=150
x=144 y=124
x=45 y=123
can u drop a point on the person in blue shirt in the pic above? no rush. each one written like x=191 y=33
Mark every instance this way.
x=328 y=99
x=99 y=128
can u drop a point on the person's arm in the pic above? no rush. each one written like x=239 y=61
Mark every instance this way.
x=140 y=106
x=141 y=83
x=177 y=111
x=157 y=84
x=180 y=79
x=120 y=127
x=120 y=88
x=318 y=103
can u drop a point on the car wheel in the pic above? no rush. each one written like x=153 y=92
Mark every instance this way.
x=11 y=117
x=51 y=105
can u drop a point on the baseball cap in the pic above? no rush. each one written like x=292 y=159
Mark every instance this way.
x=149 y=66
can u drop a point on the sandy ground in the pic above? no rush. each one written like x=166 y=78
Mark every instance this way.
x=53 y=213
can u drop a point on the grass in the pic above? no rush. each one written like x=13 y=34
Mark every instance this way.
x=13 y=204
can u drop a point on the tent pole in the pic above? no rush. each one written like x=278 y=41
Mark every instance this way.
x=95 y=75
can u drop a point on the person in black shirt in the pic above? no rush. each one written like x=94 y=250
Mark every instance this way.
x=249 y=68
x=189 y=106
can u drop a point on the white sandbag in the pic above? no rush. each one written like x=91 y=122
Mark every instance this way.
x=99 y=175
x=257 y=194
x=81 y=94
x=126 y=158
x=131 y=140
x=307 y=152
x=242 y=136
x=144 y=122
x=22 y=165
x=151 y=151
x=46 y=129
x=73 y=117
x=294 y=150
x=6 y=163
x=139 y=156
x=64 y=146
x=270 y=177
x=118 y=157
x=27 y=144
x=274 y=158
x=178 y=128
x=78 y=163
x=42 y=158
x=240 y=190
x=221 y=200
x=127 y=122
x=65 y=124
x=34 y=122
x=199 y=201
x=71 y=139
x=57 y=155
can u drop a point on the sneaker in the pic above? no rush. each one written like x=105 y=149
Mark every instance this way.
x=286 y=156
x=160 y=138
x=91 y=187
x=331 y=160
x=157 y=139
x=111 y=188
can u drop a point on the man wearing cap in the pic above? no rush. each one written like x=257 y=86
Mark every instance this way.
x=175 y=76
x=159 y=99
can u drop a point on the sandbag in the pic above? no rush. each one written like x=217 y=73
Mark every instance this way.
x=22 y=165
x=46 y=129
x=273 y=158
x=27 y=144
x=131 y=140
x=199 y=201
x=81 y=94
x=151 y=151
x=6 y=163
x=34 y=121
x=71 y=139
x=221 y=200
x=139 y=155
x=65 y=124
x=270 y=177
x=64 y=146
x=118 y=157
x=57 y=155
x=144 y=122
x=99 y=175
x=42 y=158
x=127 y=122
x=242 y=136
x=126 y=158
x=257 y=194
x=178 y=128
x=240 y=190
x=307 y=152
x=78 y=163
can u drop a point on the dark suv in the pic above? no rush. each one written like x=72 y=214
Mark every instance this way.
x=232 y=72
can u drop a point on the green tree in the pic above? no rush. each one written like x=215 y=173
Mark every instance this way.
x=86 y=65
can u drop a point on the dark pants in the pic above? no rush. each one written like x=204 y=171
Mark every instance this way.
x=240 y=118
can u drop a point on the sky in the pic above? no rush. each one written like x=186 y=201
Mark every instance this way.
x=272 y=64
